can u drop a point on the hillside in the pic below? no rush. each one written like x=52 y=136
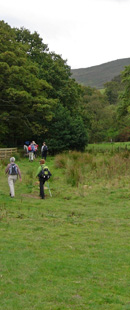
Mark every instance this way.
x=97 y=76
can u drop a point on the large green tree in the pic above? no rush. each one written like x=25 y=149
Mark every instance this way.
x=123 y=110
x=66 y=132
x=113 y=89
x=34 y=82
x=98 y=115
x=23 y=95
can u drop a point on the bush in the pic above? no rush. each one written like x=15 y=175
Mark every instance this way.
x=74 y=172
x=60 y=161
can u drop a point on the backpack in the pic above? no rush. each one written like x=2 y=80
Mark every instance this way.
x=29 y=148
x=45 y=148
x=13 y=169
x=44 y=173
x=36 y=147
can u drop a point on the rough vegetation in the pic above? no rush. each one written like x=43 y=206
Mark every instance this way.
x=70 y=251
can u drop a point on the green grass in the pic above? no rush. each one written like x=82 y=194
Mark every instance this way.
x=71 y=250
x=109 y=147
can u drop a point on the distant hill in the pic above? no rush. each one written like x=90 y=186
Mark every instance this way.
x=97 y=76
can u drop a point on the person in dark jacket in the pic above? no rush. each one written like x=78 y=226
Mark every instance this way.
x=44 y=150
x=42 y=179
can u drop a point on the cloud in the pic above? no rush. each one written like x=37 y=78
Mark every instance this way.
x=85 y=32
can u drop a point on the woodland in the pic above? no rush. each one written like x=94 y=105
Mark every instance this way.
x=39 y=99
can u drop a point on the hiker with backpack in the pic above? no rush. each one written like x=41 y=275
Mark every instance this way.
x=44 y=150
x=31 y=150
x=35 y=148
x=13 y=172
x=43 y=174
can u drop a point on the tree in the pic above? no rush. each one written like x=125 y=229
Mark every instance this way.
x=34 y=82
x=66 y=133
x=22 y=92
x=113 y=89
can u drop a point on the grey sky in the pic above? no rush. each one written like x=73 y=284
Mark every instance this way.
x=85 y=32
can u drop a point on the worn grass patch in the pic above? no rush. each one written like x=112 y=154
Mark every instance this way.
x=71 y=250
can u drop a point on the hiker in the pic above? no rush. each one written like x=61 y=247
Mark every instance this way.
x=31 y=150
x=27 y=143
x=43 y=174
x=44 y=150
x=25 y=148
x=36 y=148
x=13 y=172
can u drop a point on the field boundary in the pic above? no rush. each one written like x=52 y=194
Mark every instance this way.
x=7 y=152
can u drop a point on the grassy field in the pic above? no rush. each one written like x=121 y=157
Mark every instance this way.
x=71 y=250
x=108 y=147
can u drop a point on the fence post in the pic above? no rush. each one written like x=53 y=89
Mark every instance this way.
x=7 y=152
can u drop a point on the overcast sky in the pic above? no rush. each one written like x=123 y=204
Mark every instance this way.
x=85 y=32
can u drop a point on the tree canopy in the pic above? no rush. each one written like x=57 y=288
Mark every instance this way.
x=35 y=84
x=39 y=100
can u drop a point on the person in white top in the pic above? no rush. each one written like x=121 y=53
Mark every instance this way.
x=13 y=172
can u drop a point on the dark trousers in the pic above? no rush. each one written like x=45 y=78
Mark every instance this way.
x=44 y=154
x=42 y=181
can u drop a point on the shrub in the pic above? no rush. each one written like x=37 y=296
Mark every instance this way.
x=60 y=161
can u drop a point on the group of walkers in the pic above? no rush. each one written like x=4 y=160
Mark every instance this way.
x=32 y=148
x=43 y=173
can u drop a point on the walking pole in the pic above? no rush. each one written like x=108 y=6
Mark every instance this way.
x=49 y=189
